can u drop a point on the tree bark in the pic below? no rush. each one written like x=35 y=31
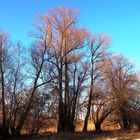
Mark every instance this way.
x=5 y=128
x=98 y=127
x=61 y=117
x=87 y=115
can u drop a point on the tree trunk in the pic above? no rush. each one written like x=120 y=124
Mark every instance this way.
x=90 y=95
x=61 y=119
x=126 y=124
x=87 y=115
x=5 y=127
x=98 y=127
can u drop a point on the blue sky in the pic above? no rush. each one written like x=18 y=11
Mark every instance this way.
x=120 y=19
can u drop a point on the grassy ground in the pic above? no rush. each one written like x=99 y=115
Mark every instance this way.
x=85 y=136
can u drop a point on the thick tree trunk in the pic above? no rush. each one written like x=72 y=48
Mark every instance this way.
x=5 y=132
x=5 y=127
x=125 y=118
x=126 y=125
x=61 y=121
x=66 y=122
x=61 y=115
x=98 y=127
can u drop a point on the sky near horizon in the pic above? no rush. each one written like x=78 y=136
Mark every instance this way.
x=120 y=19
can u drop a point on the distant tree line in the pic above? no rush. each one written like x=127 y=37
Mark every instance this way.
x=67 y=72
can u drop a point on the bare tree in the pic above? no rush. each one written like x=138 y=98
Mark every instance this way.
x=121 y=78
x=101 y=107
x=4 y=45
x=60 y=24
x=39 y=58
x=97 y=55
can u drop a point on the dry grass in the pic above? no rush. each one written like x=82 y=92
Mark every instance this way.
x=84 y=136
x=50 y=134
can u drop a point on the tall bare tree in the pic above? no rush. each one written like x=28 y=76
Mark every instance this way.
x=60 y=25
x=98 y=54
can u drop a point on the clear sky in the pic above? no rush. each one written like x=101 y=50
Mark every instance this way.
x=120 y=19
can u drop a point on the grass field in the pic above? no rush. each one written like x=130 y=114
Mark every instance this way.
x=85 y=136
